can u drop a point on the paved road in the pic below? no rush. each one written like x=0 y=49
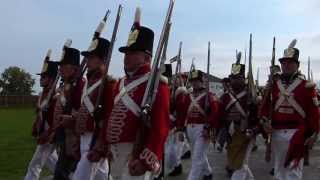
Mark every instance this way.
x=257 y=164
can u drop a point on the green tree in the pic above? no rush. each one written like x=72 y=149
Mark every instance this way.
x=16 y=81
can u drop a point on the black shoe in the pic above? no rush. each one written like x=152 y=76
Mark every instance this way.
x=272 y=172
x=176 y=171
x=208 y=177
x=186 y=155
x=220 y=148
x=229 y=172
x=254 y=148
x=158 y=178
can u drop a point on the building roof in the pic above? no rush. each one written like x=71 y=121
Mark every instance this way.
x=212 y=78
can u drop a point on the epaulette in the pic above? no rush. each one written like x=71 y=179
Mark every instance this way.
x=301 y=76
x=180 y=90
x=164 y=79
x=259 y=99
x=310 y=84
x=111 y=79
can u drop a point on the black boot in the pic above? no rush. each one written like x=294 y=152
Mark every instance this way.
x=229 y=172
x=271 y=172
x=208 y=177
x=176 y=171
x=254 y=148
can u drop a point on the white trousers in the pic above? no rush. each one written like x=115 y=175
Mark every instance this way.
x=244 y=173
x=119 y=165
x=199 y=148
x=280 y=144
x=173 y=152
x=45 y=155
x=185 y=147
x=87 y=170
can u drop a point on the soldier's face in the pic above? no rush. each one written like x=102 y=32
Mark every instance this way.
x=237 y=81
x=289 y=66
x=45 y=80
x=68 y=71
x=133 y=60
x=180 y=81
x=94 y=62
x=196 y=84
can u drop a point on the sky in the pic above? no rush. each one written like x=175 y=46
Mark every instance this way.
x=30 y=27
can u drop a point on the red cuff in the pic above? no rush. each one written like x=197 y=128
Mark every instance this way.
x=150 y=159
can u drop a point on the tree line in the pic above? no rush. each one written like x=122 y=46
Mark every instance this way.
x=16 y=81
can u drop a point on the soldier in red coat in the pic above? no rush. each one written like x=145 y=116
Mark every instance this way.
x=239 y=123
x=68 y=103
x=294 y=118
x=174 y=146
x=197 y=119
x=45 y=153
x=86 y=117
x=122 y=130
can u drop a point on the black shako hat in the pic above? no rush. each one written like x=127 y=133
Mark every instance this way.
x=140 y=39
x=291 y=53
x=49 y=68
x=98 y=47
x=237 y=68
x=70 y=56
x=196 y=75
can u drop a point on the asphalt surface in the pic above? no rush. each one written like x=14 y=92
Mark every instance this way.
x=257 y=164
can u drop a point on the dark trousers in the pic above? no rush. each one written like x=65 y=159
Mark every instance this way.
x=65 y=165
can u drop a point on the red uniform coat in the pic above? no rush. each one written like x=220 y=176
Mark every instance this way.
x=38 y=123
x=85 y=121
x=123 y=125
x=230 y=112
x=192 y=115
x=288 y=117
x=72 y=139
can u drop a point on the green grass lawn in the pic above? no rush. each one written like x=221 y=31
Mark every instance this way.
x=16 y=142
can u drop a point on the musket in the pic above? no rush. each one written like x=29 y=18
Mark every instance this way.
x=59 y=131
x=251 y=86
x=177 y=71
x=257 y=79
x=165 y=46
x=67 y=109
x=192 y=67
x=245 y=55
x=251 y=94
x=152 y=85
x=96 y=35
x=99 y=106
x=55 y=82
x=43 y=109
x=83 y=66
x=208 y=99
x=163 y=59
x=67 y=44
x=309 y=72
x=268 y=99
x=207 y=102
x=153 y=82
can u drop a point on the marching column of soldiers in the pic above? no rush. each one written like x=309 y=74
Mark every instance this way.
x=95 y=127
